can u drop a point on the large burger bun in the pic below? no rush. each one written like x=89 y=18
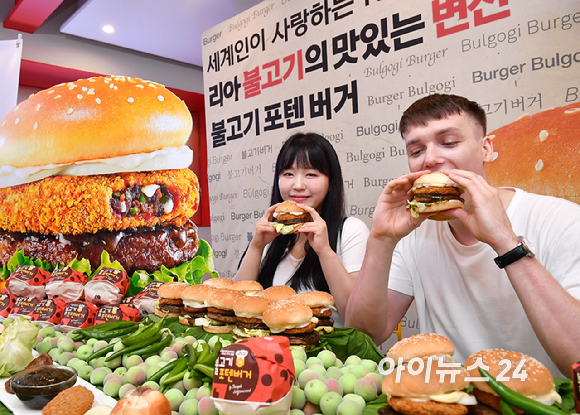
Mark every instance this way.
x=428 y=392
x=424 y=345
x=248 y=287
x=435 y=192
x=220 y=311
x=539 y=153
x=194 y=305
x=532 y=379
x=99 y=164
x=278 y=292
x=219 y=282
x=289 y=217
x=293 y=320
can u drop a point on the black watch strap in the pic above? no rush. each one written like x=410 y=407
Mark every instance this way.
x=515 y=254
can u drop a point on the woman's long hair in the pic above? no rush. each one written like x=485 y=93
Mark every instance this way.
x=312 y=151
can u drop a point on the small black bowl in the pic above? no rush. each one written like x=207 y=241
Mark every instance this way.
x=36 y=386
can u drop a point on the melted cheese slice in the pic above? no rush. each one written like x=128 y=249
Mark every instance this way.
x=293 y=326
x=459 y=397
x=548 y=399
x=164 y=159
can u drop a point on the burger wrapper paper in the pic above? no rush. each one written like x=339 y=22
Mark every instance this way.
x=145 y=299
x=109 y=313
x=254 y=376
x=66 y=284
x=6 y=304
x=109 y=286
x=27 y=281
x=48 y=312
x=24 y=306
x=78 y=315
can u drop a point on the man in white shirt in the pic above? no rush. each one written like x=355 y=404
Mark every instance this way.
x=531 y=304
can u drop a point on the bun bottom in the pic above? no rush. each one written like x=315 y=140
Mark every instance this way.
x=185 y=321
x=218 y=329
x=441 y=207
x=161 y=313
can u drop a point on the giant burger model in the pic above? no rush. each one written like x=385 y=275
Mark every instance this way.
x=95 y=165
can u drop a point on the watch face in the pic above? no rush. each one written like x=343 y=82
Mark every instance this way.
x=528 y=246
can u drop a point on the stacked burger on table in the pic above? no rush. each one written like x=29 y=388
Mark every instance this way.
x=246 y=310
x=97 y=169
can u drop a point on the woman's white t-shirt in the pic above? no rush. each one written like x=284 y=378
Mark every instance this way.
x=350 y=248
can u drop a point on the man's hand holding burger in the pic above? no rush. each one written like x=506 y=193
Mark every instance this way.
x=485 y=214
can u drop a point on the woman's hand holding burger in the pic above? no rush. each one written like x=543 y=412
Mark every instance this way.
x=265 y=233
x=316 y=231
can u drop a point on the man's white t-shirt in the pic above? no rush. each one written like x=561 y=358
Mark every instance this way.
x=350 y=248
x=461 y=293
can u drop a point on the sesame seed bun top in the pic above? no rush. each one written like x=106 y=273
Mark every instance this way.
x=278 y=292
x=435 y=179
x=94 y=118
x=251 y=306
x=426 y=382
x=172 y=290
x=223 y=298
x=422 y=346
x=539 y=153
x=198 y=292
x=248 y=287
x=286 y=314
x=539 y=380
x=314 y=298
x=219 y=282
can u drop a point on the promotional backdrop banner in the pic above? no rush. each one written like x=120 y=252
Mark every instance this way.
x=10 y=54
x=347 y=69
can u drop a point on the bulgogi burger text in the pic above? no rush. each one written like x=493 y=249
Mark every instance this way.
x=95 y=165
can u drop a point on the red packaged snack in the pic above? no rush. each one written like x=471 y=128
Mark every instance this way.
x=6 y=304
x=109 y=286
x=27 y=281
x=254 y=376
x=66 y=284
x=78 y=315
x=48 y=312
x=116 y=313
x=24 y=306
x=145 y=299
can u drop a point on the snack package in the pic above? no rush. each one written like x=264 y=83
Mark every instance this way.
x=254 y=376
x=78 y=315
x=6 y=304
x=145 y=299
x=66 y=284
x=128 y=301
x=24 y=307
x=116 y=313
x=109 y=286
x=27 y=281
x=48 y=312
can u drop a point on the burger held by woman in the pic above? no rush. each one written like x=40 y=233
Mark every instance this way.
x=325 y=252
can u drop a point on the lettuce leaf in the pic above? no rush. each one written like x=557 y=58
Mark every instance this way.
x=16 y=346
x=345 y=342
x=565 y=389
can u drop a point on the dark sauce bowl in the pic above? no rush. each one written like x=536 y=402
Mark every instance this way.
x=36 y=386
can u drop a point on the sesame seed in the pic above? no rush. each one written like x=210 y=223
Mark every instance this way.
x=37 y=107
x=131 y=99
x=85 y=89
x=16 y=121
x=31 y=95
x=112 y=86
x=115 y=87
x=139 y=86
x=572 y=111
x=524 y=116
x=69 y=111
x=92 y=80
x=98 y=100
x=3 y=122
x=160 y=97
x=56 y=97
x=15 y=108
x=107 y=81
x=494 y=156
x=35 y=125
x=79 y=96
x=71 y=87
x=91 y=91
x=539 y=165
x=543 y=135
x=152 y=86
x=51 y=91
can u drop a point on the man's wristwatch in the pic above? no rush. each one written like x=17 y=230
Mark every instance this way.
x=523 y=249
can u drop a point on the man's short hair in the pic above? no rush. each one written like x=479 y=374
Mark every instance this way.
x=439 y=106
